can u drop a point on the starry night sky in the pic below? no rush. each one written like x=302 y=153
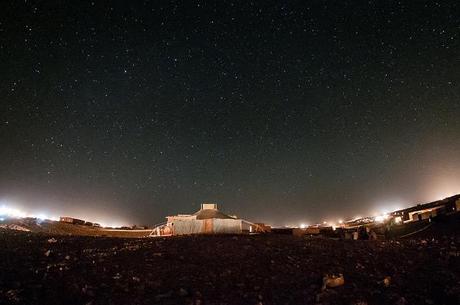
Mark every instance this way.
x=279 y=111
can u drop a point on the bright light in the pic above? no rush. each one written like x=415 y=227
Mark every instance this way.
x=398 y=219
x=340 y=221
x=380 y=218
x=42 y=216
x=110 y=225
x=10 y=212
x=390 y=205
x=303 y=226
x=7 y=211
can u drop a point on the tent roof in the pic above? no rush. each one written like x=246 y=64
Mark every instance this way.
x=211 y=213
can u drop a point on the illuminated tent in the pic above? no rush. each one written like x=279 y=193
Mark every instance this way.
x=208 y=220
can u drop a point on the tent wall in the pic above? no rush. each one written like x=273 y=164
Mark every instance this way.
x=206 y=226
x=246 y=226
x=227 y=226
x=189 y=226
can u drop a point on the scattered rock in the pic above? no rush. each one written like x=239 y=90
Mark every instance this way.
x=331 y=281
x=166 y=295
x=387 y=281
x=117 y=276
x=12 y=295
x=401 y=301
x=183 y=292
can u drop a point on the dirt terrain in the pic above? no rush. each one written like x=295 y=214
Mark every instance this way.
x=264 y=269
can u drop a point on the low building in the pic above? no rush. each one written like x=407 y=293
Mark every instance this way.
x=208 y=220
x=429 y=210
x=71 y=220
x=424 y=214
x=263 y=228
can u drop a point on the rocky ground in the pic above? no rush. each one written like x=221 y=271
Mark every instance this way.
x=264 y=269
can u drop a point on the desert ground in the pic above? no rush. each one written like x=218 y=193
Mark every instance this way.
x=38 y=268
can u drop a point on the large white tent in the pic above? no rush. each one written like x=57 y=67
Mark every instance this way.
x=208 y=220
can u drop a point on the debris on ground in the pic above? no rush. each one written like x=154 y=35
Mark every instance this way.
x=386 y=281
x=246 y=269
x=331 y=281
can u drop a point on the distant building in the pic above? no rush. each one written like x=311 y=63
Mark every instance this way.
x=445 y=206
x=208 y=220
x=263 y=228
x=306 y=231
x=71 y=220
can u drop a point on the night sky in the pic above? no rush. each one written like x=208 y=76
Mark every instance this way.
x=279 y=111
